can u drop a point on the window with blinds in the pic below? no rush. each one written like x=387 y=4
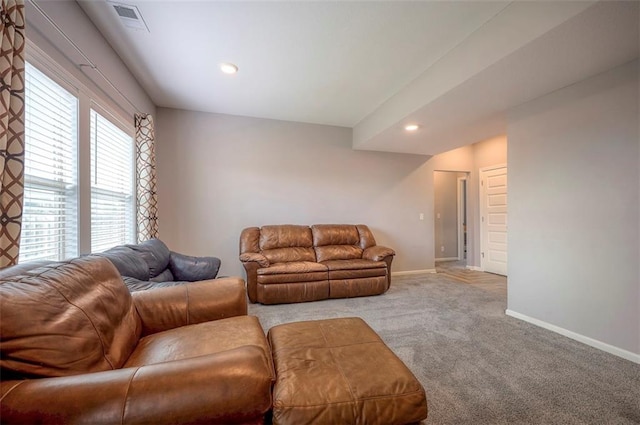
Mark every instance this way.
x=50 y=219
x=112 y=185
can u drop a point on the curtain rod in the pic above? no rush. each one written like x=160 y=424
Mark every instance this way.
x=89 y=63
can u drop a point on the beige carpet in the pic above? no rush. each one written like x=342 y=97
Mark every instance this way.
x=479 y=366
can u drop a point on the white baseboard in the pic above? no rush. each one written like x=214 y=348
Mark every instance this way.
x=628 y=355
x=447 y=259
x=474 y=268
x=411 y=272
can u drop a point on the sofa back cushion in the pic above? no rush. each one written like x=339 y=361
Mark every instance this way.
x=155 y=253
x=286 y=243
x=127 y=261
x=366 y=237
x=336 y=242
x=250 y=240
x=66 y=319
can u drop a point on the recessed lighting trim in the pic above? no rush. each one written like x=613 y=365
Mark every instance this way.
x=228 y=68
x=411 y=127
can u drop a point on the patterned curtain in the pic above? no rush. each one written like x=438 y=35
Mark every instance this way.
x=146 y=178
x=11 y=128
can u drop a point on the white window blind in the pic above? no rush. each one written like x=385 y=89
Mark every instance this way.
x=112 y=185
x=49 y=220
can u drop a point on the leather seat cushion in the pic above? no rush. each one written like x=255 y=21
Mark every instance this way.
x=355 y=264
x=267 y=279
x=339 y=371
x=293 y=254
x=295 y=272
x=198 y=340
x=293 y=267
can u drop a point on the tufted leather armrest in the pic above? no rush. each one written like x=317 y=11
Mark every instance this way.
x=377 y=253
x=248 y=257
x=229 y=383
x=252 y=261
x=194 y=302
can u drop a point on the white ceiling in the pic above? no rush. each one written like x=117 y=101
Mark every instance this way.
x=453 y=67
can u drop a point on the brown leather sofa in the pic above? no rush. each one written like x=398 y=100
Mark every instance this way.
x=77 y=347
x=291 y=263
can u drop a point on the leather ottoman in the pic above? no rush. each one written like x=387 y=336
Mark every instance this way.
x=338 y=371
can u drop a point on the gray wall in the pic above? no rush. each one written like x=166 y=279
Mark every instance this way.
x=485 y=154
x=573 y=209
x=220 y=173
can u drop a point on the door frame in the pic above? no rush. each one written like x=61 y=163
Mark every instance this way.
x=461 y=219
x=483 y=207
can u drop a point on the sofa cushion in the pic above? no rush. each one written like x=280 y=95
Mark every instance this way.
x=283 y=255
x=335 y=234
x=296 y=272
x=354 y=264
x=285 y=236
x=66 y=318
x=165 y=276
x=293 y=267
x=155 y=253
x=267 y=279
x=127 y=261
x=250 y=240
x=198 y=340
x=338 y=252
x=190 y=268
x=366 y=237
x=136 y=285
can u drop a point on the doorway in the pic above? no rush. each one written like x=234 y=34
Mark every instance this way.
x=450 y=216
x=462 y=218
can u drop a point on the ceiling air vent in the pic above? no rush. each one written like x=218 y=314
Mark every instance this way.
x=130 y=16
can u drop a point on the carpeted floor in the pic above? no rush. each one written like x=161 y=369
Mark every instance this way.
x=478 y=365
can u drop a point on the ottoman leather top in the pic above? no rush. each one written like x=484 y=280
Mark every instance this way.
x=338 y=371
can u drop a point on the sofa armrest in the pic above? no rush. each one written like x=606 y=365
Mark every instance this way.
x=248 y=257
x=377 y=253
x=194 y=302
x=216 y=388
x=252 y=261
x=191 y=269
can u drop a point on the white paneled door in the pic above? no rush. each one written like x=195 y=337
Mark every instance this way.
x=493 y=219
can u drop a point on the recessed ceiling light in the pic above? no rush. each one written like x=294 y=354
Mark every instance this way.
x=228 y=68
x=411 y=127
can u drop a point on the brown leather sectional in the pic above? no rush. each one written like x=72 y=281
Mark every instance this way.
x=292 y=263
x=77 y=347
